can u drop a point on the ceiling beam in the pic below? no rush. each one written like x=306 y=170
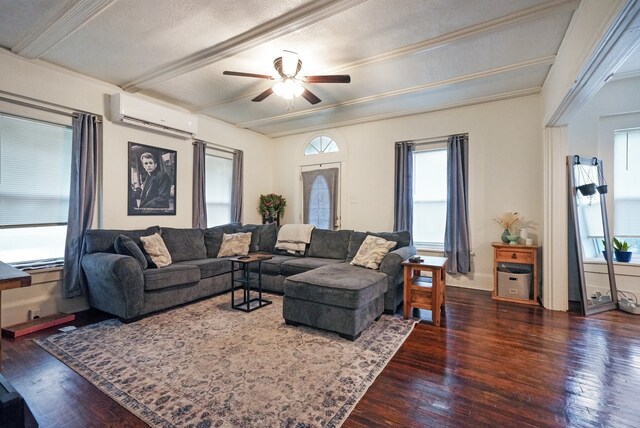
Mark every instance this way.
x=409 y=112
x=547 y=60
x=42 y=39
x=294 y=20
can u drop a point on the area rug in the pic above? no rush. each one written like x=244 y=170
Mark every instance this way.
x=206 y=365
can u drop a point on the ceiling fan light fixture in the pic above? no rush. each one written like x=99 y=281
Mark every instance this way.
x=289 y=63
x=288 y=89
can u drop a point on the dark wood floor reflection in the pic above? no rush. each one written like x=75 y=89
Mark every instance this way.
x=489 y=364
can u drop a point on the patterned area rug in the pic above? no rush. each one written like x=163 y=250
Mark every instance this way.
x=206 y=365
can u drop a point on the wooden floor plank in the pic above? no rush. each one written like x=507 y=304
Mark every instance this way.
x=489 y=364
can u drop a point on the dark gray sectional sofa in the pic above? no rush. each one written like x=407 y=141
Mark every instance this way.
x=120 y=285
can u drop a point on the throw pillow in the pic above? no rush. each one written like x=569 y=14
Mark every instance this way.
x=372 y=251
x=254 y=229
x=127 y=247
x=235 y=244
x=157 y=251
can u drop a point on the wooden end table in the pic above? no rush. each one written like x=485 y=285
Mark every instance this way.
x=248 y=304
x=11 y=277
x=419 y=292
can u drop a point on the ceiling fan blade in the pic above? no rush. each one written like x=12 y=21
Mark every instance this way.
x=307 y=95
x=263 y=95
x=238 y=73
x=336 y=78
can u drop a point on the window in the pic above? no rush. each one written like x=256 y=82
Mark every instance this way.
x=430 y=195
x=626 y=180
x=219 y=171
x=320 y=195
x=322 y=144
x=35 y=173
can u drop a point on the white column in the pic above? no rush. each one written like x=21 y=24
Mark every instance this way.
x=555 y=261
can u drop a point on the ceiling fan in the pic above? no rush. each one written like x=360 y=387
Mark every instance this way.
x=288 y=86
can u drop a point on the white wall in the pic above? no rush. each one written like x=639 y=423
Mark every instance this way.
x=591 y=133
x=48 y=83
x=505 y=171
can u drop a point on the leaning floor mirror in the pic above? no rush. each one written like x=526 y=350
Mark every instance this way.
x=590 y=252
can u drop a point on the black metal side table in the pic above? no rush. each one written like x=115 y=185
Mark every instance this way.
x=245 y=281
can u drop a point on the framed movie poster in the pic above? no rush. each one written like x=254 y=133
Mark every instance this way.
x=152 y=180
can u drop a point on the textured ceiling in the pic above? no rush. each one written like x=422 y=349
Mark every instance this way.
x=404 y=56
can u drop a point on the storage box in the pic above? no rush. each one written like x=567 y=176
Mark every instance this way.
x=514 y=284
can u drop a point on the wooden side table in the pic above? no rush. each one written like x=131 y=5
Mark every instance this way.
x=529 y=256
x=11 y=277
x=419 y=292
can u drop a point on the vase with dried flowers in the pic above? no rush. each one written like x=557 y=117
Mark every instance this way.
x=508 y=221
x=271 y=208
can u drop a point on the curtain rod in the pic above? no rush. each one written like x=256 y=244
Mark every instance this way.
x=43 y=105
x=218 y=147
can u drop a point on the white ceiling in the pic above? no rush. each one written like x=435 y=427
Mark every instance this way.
x=404 y=56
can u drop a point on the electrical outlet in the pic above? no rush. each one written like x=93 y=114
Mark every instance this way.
x=34 y=314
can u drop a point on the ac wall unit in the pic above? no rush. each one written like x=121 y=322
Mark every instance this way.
x=127 y=109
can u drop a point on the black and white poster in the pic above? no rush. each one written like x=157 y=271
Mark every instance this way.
x=152 y=180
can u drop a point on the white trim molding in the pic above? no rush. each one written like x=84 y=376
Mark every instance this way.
x=555 y=259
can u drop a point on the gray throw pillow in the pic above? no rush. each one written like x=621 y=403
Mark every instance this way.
x=254 y=229
x=127 y=247
x=268 y=237
x=184 y=244
x=329 y=244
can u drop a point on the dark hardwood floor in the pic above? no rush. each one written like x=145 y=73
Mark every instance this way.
x=489 y=364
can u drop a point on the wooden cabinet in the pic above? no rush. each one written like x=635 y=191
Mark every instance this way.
x=525 y=257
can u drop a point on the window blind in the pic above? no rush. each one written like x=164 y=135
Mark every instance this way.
x=35 y=171
x=626 y=175
x=218 y=171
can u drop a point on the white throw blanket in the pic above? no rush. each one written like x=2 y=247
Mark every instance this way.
x=294 y=237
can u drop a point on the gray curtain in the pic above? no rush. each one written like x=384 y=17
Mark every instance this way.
x=199 y=209
x=331 y=176
x=456 y=238
x=403 y=189
x=236 y=187
x=82 y=196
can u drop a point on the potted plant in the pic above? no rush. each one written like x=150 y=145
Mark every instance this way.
x=271 y=208
x=621 y=250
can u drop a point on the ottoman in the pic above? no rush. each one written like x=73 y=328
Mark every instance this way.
x=340 y=298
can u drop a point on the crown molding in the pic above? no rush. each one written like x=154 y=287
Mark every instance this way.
x=475 y=101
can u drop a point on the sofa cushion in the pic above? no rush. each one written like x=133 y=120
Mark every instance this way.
x=184 y=244
x=372 y=251
x=330 y=244
x=402 y=237
x=127 y=247
x=268 y=237
x=235 y=244
x=210 y=267
x=339 y=285
x=102 y=240
x=299 y=265
x=156 y=250
x=170 y=276
x=213 y=237
x=273 y=265
x=254 y=229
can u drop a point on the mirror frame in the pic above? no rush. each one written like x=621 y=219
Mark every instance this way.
x=573 y=160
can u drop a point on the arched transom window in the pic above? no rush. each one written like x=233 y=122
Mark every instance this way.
x=321 y=144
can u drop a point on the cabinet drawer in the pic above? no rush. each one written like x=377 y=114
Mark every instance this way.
x=515 y=256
